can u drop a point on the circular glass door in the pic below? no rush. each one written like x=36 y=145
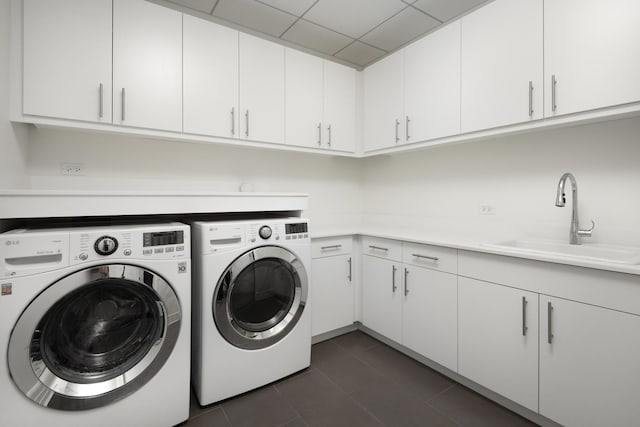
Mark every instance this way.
x=260 y=297
x=94 y=337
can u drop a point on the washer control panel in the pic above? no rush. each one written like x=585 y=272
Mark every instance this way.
x=298 y=230
x=265 y=232
x=105 y=245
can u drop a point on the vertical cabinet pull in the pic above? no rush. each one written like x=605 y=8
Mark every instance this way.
x=123 y=103
x=530 y=98
x=397 y=126
x=319 y=134
x=246 y=118
x=406 y=127
x=393 y=279
x=554 y=82
x=329 y=133
x=233 y=121
x=406 y=287
x=101 y=101
x=549 y=328
x=349 y=261
x=524 y=317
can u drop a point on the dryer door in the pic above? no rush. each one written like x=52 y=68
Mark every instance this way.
x=260 y=297
x=94 y=337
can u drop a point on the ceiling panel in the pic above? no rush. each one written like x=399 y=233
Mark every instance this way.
x=205 y=6
x=315 y=37
x=360 y=53
x=254 y=15
x=400 y=29
x=297 y=7
x=445 y=10
x=354 y=17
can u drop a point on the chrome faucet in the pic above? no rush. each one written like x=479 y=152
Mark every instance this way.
x=575 y=234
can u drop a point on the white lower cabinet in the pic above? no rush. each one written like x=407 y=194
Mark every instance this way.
x=498 y=339
x=589 y=372
x=382 y=296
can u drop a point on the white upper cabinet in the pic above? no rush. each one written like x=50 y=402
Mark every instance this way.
x=261 y=90
x=303 y=99
x=210 y=87
x=67 y=59
x=339 y=131
x=147 y=65
x=384 y=103
x=502 y=62
x=432 y=86
x=591 y=53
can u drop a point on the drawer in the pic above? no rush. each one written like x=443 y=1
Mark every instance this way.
x=382 y=248
x=331 y=246
x=428 y=256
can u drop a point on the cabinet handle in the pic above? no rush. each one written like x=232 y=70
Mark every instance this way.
x=553 y=92
x=432 y=258
x=233 y=121
x=329 y=132
x=524 y=317
x=393 y=279
x=379 y=248
x=530 y=98
x=406 y=286
x=549 y=329
x=349 y=261
x=397 y=126
x=123 y=103
x=324 y=248
x=320 y=134
x=246 y=117
x=406 y=127
x=101 y=101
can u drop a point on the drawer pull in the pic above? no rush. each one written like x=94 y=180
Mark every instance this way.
x=432 y=258
x=379 y=248
x=325 y=248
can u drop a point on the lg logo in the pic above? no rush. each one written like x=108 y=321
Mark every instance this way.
x=11 y=242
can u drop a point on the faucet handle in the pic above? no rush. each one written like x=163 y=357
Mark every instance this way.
x=587 y=233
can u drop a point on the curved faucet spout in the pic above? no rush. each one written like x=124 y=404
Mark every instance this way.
x=575 y=233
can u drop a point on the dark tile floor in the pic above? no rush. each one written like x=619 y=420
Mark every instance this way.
x=355 y=380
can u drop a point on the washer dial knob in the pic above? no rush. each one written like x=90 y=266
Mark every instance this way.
x=106 y=245
x=265 y=232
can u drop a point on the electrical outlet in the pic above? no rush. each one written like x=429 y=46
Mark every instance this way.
x=486 y=210
x=72 y=169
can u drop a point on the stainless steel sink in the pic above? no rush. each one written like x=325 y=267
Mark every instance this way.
x=586 y=251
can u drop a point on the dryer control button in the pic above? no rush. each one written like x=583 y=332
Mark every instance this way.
x=265 y=232
x=106 y=245
x=127 y=252
x=83 y=256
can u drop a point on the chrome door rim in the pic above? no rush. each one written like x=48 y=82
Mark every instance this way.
x=232 y=330
x=41 y=385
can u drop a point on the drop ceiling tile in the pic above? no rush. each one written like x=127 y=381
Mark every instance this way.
x=200 y=5
x=297 y=7
x=400 y=29
x=444 y=10
x=360 y=53
x=312 y=36
x=353 y=17
x=254 y=15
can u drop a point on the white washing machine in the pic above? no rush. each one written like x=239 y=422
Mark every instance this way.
x=251 y=313
x=95 y=326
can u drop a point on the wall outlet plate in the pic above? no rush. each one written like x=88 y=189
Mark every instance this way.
x=72 y=169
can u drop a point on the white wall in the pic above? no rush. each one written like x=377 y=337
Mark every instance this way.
x=442 y=188
x=122 y=162
x=13 y=145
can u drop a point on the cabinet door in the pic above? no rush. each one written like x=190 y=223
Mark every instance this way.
x=591 y=47
x=432 y=89
x=210 y=86
x=303 y=99
x=261 y=90
x=332 y=292
x=502 y=64
x=589 y=372
x=67 y=59
x=339 y=107
x=382 y=297
x=495 y=350
x=430 y=315
x=147 y=65
x=384 y=103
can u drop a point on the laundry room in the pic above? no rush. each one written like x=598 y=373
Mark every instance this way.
x=319 y=212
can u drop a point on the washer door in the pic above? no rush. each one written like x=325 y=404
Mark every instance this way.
x=260 y=297
x=94 y=337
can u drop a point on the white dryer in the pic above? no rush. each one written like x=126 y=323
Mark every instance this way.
x=251 y=313
x=95 y=326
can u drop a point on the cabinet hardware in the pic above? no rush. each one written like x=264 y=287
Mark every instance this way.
x=123 y=103
x=530 y=98
x=320 y=134
x=349 y=261
x=397 y=125
x=549 y=330
x=233 y=121
x=329 y=131
x=324 y=248
x=379 y=248
x=553 y=93
x=246 y=117
x=524 y=317
x=432 y=258
x=406 y=287
x=393 y=278
x=406 y=127
x=101 y=101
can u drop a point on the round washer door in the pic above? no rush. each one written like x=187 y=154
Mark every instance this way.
x=260 y=297
x=94 y=337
